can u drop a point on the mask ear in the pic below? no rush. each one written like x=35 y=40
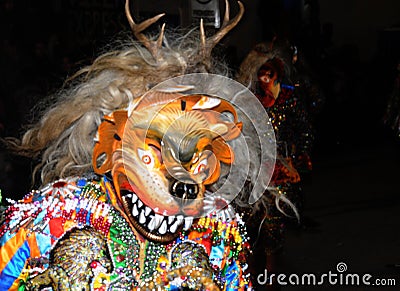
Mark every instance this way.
x=109 y=134
x=223 y=151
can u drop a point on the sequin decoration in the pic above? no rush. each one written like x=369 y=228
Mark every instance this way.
x=77 y=238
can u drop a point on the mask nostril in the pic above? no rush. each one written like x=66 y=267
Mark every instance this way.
x=184 y=190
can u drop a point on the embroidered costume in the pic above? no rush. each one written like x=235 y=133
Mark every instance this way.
x=106 y=249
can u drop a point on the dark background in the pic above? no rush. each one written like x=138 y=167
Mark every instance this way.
x=352 y=48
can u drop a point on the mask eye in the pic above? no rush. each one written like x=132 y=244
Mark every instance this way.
x=146 y=157
x=200 y=167
x=266 y=76
x=149 y=157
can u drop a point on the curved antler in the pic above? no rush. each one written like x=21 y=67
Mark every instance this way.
x=207 y=45
x=153 y=46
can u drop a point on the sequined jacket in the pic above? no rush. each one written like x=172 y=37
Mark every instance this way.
x=68 y=236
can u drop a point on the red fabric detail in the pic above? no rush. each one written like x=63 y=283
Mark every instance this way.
x=56 y=227
x=266 y=100
x=59 y=184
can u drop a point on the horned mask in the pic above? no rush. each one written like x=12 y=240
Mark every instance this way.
x=168 y=151
x=172 y=153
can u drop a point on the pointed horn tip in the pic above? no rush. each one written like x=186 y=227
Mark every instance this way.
x=241 y=8
x=162 y=29
x=152 y=20
x=158 y=16
x=127 y=8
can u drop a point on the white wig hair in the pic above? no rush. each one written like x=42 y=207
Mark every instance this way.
x=62 y=139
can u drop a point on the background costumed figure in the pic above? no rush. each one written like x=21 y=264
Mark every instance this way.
x=136 y=183
x=269 y=71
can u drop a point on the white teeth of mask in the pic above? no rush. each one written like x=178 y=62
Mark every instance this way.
x=171 y=219
x=142 y=218
x=188 y=223
x=163 y=228
x=148 y=210
x=157 y=220
x=222 y=215
x=231 y=212
x=179 y=218
x=151 y=225
x=135 y=211
x=161 y=224
x=174 y=227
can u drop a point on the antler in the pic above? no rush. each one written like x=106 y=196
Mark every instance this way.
x=207 y=45
x=153 y=46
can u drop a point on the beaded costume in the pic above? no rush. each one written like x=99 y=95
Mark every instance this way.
x=106 y=251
